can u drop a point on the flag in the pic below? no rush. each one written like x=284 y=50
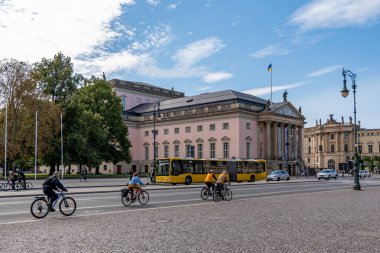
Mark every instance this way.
x=270 y=67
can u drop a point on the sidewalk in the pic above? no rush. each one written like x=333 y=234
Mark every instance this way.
x=105 y=185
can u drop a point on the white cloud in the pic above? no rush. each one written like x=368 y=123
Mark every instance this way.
x=197 y=51
x=325 y=71
x=216 y=77
x=266 y=90
x=270 y=50
x=153 y=2
x=321 y=14
x=41 y=28
x=172 y=6
x=204 y=88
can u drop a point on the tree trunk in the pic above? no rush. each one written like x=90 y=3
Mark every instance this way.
x=97 y=170
x=52 y=168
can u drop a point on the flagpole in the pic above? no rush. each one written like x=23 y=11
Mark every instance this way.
x=271 y=99
x=5 y=140
x=63 y=167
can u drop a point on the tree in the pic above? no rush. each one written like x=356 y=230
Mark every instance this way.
x=94 y=127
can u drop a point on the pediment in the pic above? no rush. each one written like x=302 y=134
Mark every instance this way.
x=225 y=138
x=199 y=140
x=146 y=144
x=166 y=143
x=176 y=142
x=187 y=141
x=212 y=139
x=288 y=109
x=248 y=138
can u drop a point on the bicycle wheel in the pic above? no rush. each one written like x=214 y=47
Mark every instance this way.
x=228 y=195
x=205 y=193
x=29 y=186
x=39 y=208
x=67 y=206
x=126 y=199
x=216 y=196
x=143 y=197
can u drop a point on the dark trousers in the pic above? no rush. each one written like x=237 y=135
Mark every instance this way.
x=52 y=196
x=210 y=185
x=22 y=178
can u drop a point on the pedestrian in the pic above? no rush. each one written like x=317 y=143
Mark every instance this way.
x=152 y=176
x=12 y=178
x=131 y=172
x=83 y=174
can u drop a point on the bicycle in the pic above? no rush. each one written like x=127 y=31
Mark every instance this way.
x=225 y=193
x=207 y=192
x=39 y=207
x=19 y=185
x=140 y=194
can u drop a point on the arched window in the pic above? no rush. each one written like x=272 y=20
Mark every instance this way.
x=331 y=164
x=332 y=148
x=309 y=150
x=345 y=147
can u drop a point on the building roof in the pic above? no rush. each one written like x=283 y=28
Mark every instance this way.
x=201 y=99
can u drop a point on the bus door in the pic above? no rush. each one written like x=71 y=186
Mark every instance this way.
x=232 y=170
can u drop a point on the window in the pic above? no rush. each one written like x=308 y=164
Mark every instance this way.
x=345 y=147
x=176 y=150
x=308 y=159
x=105 y=167
x=212 y=127
x=176 y=130
x=331 y=164
x=166 y=151
x=248 y=148
x=212 y=150
x=124 y=102
x=200 y=128
x=225 y=125
x=226 y=149
x=360 y=149
x=247 y=126
x=332 y=136
x=200 y=150
x=189 y=150
x=332 y=149
x=146 y=133
x=146 y=153
x=370 y=149
x=320 y=148
x=188 y=129
x=309 y=139
x=166 y=131
x=309 y=150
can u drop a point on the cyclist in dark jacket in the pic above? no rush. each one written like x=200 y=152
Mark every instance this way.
x=51 y=184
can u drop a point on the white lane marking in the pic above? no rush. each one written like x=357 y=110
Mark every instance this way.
x=185 y=200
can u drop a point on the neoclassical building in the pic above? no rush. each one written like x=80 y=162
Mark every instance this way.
x=223 y=124
x=331 y=144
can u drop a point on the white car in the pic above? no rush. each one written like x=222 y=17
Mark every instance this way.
x=277 y=175
x=363 y=173
x=327 y=174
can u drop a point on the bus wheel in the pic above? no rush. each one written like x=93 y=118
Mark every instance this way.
x=252 y=178
x=188 y=180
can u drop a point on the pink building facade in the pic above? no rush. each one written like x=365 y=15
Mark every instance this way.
x=224 y=124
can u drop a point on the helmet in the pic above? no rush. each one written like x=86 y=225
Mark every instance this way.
x=211 y=171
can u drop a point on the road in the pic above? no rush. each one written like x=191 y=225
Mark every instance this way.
x=286 y=217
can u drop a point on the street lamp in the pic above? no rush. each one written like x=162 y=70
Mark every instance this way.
x=345 y=93
x=156 y=113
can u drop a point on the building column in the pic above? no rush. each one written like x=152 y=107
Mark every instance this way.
x=300 y=142
x=282 y=141
x=275 y=141
x=268 y=145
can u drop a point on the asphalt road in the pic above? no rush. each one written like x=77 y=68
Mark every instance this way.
x=298 y=217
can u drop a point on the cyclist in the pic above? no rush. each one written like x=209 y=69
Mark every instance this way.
x=21 y=177
x=12 y=178
x=135 y=183
x=209 y=180
x=51 y=184
x=222 y=179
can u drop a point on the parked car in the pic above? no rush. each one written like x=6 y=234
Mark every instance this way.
x=327 y=174
x=277 y=175
x=363 y=173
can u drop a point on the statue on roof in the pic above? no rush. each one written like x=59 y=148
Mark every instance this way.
x=350 y=118
x=342 y=119
x=320 y=122
x=285 y=96
x=267 y=105
x=300 y=109
x=104 y=77
x=316 y=122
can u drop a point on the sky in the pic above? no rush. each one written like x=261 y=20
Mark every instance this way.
x=199 y=46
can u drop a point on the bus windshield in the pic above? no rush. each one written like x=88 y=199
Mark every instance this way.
x=163 y=168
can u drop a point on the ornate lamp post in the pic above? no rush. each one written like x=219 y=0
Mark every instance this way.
x=345 y=93
x=156 y=113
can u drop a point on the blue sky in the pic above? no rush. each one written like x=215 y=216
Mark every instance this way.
x=199 y=46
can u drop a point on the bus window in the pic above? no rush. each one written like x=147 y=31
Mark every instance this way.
x=176 y=167
x=198 y=167
x=163 y=169
x=187 y=166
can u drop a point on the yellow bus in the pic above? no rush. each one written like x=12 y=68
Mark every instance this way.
x=189 y=170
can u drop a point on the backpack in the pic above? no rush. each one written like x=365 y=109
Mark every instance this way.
x=48 y=182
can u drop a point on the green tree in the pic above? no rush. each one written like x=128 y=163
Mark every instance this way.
x=94 y=127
